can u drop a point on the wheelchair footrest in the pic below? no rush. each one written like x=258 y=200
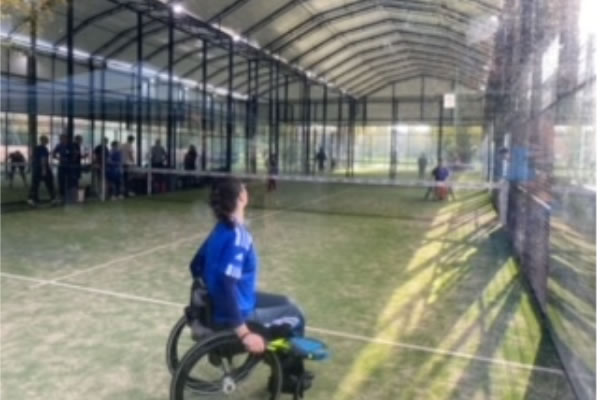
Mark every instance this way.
x=307 y=348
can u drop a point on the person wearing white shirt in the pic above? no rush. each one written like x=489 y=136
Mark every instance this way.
x=127 y=155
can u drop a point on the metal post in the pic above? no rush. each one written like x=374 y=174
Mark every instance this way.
x=305 y=114
x=140 y=58
x=422 y=102
x=7 y=112
x=248 y=112
x=52 y=95
x=364 y=122
x=170 y=119
x=92 y=104
x=308 y=129
x=286 y=120
x=490 y=151
x=440 y=129
x=212 y=127
x=70 y=72
x=270 y=138
x=350 y=141
x=149 y=121
x=277 y=114
x=103 y=129
x=256 y=116
x=230 y=115
x=394 y=136
x=204 y=110
x=324 y=117
x=32 y=112
x=338 y=139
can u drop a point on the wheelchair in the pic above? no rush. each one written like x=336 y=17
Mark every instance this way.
x=212 y=363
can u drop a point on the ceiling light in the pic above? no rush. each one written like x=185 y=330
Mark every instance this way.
x=178 y=8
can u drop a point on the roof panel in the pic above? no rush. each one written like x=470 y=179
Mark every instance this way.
x=335 y=37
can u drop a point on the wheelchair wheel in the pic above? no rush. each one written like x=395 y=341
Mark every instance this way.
x=179 y=342
x=219 y=367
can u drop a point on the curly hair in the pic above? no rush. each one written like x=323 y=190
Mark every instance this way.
x=223 y=198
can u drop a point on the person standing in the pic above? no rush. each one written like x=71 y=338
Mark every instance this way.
x=158 y=159
x=189 y=164
x=422 y=163
x=63 y=152
x=114 y=170
x=41 y=171
x=440 y=175
x=99 y=160
x=128 y=164
x=75 y=167
x=321 y=157
x=273 y=170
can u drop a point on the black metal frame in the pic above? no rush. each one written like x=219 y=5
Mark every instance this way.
x=70 y=71
x=140 y=57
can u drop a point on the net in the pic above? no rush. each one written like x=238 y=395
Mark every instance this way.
x=402 y=198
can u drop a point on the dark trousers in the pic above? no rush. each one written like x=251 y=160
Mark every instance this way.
x=63 y=175
x=158 y=180
x=36 y=179
x=274 y=309
x=115 y=181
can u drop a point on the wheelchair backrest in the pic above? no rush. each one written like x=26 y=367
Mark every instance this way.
x=200 y=308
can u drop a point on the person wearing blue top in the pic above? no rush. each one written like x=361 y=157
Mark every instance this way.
x=114 y=170
x=62 y=152
x=228 y=264
x=41 y=172
x=440 y=175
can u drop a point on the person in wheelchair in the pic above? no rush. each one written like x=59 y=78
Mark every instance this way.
x=228 y=265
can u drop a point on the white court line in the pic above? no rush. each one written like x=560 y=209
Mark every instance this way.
x=328 y=332
x=169 y=245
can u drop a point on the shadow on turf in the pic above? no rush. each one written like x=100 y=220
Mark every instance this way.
x=457 y=295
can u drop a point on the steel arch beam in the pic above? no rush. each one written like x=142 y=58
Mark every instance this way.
x=376 y=68
x=165 y=47
x=230 y=9
x=391 y=20
x=393 y=80
x=435 y=36
x=90 y=20
x=395 y=59
x=474 y=60
x=346 y=10
x=405 y=79
x=371 y=39
x=377 y=24
x=375 y=62
x=421 y=65
x=380 y=48
x=275 y=14
x=131 y=42
x=379 y=82
x=406 y=3
x=414 y=70
x=119 y=36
